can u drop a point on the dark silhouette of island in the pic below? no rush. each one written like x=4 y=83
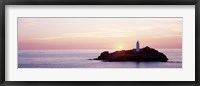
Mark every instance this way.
x=144 y=54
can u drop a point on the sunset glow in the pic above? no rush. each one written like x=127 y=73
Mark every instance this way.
x=98 y=33
x=120 y=48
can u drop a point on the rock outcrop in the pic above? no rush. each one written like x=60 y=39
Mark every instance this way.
x=145 y=54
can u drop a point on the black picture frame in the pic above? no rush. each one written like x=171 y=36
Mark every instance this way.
x=98 y=2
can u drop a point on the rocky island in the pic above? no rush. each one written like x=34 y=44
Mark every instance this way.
x=144 y=54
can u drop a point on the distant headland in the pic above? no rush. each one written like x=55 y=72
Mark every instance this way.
x=144 y=54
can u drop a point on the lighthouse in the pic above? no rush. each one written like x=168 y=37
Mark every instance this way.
x=137 y=46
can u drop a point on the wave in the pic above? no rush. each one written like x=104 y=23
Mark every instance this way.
x=174 y=61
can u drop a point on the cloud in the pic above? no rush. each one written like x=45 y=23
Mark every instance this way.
x=98 y=34
x=116 y=33
x=48 y=38
x=173 y=35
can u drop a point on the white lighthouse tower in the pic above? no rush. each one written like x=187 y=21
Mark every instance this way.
x=137 y=46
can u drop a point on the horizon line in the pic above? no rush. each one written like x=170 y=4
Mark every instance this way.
x=93 y=49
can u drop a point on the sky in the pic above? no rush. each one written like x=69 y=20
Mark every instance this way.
x=99 y=33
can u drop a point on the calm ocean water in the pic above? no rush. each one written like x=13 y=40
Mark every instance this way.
x=80 y=59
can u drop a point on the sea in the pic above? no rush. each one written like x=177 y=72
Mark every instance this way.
x=82 y=58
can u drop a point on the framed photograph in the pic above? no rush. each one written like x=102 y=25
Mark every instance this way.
x=108 y=42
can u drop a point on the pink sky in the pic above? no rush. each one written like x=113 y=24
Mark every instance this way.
x=98 y=33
